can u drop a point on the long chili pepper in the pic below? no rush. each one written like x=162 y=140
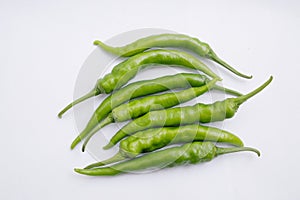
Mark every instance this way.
x=137 y=89
x=169 y=40
x=190 y=153
x=156 y=138
x=138 y=107
x=127 y=70
x=204 y=113
x=142 y=88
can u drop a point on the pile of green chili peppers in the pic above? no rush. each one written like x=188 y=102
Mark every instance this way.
x=145 y=141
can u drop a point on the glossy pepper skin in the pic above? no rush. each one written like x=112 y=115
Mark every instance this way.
x=138 y=89
x=156 y=138
x=139 y=107
x=203 y=113
x=126 y=70
x=190 y=153
x=169 y=40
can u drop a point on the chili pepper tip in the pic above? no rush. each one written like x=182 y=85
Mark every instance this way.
x=97 y=42
x=108 y=146
x=75 y=142
x=78 y=170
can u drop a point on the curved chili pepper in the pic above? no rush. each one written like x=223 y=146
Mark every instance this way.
x=204 y=113
x=137 y=89
x=139 y=107
x=128 y=69
x=169 y=40
x=156 y=138
x=142 y=88
x=191 y=153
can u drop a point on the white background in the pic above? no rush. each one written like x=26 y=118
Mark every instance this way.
x=43 y=45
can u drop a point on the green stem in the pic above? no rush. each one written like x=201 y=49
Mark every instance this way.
x=221 y=151
x=243 y=98
x=116 y=158
x=227 y=90
x=108 y=120
x=92 y=93
x=215 y=58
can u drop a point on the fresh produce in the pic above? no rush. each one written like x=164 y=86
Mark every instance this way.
x=156 y=138
x=139 y=89
x=159 y=136
x=139 y=107
x=190 y=153
x=203 y=113
x=126 y=70
x=169 y=40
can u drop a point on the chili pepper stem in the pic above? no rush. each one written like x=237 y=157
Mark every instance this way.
x=227 y=90
x=116 y=158
x=212 y=55
x=108 y=120
x=243 y=98
x=92 y=93
x=221 y=151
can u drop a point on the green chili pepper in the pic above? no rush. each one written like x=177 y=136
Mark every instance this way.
x=169 y=40
x=127 y=70
x=204 y=113
x=156 y=138
x=142 y=88
x=139 y=107
x=190 y=153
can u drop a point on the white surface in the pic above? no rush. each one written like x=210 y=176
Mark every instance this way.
x=43 y=46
